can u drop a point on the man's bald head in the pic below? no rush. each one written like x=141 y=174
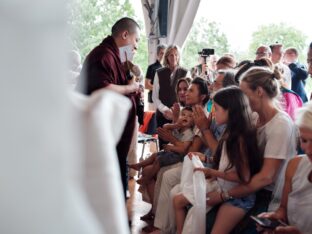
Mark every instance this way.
x=125 y=24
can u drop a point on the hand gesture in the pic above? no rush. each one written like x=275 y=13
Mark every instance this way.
x=214 y=198
x=164 y=134
x=200 y=119
x=190 y=155
x=207 y=172
x=175 y=111
x=168 y=114
x=277 y=215
x=201 y=156
x=167 y=147
x=134 y=87
x=204 y=68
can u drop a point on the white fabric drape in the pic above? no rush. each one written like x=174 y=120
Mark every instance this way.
x=44 y=186
x=181 y=14
x=193 y=187
x=98 y=115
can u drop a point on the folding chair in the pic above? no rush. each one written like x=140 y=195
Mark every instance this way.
x=147 y=131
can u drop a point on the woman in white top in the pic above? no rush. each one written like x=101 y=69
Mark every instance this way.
x=296 y=204
x=165 y=81
x=277 y=139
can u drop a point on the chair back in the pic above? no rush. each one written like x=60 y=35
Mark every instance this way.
x=149 y=123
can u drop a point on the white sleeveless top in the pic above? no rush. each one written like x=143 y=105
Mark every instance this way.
x=299 y=206
x=224 y=162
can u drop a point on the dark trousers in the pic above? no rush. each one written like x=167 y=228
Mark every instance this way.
x=124 y=174
x=122 y=152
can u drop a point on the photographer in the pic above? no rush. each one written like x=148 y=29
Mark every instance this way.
x=205 y=69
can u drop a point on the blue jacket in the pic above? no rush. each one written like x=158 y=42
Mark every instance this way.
x=299 y=74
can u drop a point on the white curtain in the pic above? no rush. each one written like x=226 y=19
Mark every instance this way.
x=45 y=186
x=181 y=14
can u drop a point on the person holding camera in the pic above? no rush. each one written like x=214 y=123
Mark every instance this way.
x=205 y=69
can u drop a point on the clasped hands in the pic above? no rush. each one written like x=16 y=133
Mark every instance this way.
x=165 y=134
x=200 y=119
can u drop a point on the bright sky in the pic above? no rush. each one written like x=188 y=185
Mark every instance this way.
x=238 y=19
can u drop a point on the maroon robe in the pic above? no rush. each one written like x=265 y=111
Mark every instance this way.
x=101 y=68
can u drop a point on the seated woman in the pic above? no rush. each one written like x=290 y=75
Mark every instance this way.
x=296 y=204
x=182 y=130
x=148 y=190
x=277 y=140
x=197 y=94
x=236 y=159
x=288 y=100
x=165 y=81
x=181 y=89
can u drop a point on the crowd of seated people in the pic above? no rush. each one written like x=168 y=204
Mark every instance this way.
x=247 y=123
x=246 y=133
x=244 y=120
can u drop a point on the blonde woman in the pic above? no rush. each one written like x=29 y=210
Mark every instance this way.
x=165 y=81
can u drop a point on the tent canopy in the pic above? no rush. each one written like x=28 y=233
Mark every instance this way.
x=180 y=17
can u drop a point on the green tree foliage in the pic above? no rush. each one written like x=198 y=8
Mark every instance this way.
x=203 y=34
x=282 y=33
x=91 y=21
x=141 y=57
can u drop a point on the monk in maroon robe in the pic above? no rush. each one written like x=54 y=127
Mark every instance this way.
x=103 y=68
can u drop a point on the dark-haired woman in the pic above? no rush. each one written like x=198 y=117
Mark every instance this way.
x=277 y=140
x=197 y=94
x=181 y=89
x=165 y=81
x=236 y=159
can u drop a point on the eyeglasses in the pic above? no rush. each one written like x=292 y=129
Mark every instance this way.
x=261 y=53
